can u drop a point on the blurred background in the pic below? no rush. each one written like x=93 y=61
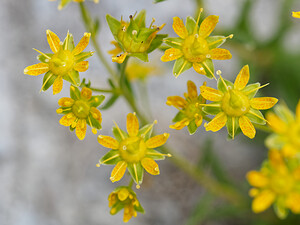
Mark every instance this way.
x=49 y=177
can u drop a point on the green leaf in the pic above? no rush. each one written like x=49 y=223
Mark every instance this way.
x=117 y=135
x=155 y=155
x=209 y=68
x=96 y=100
x=83 y=56
x=146 y=131
x=180 y=66
x=248 y=90
x=192 y=127
x=43 y=59
x=221 y=85
x=141 y=56
x=156 y=42
x=190 y=24
x=179 y=116
x=110 y=102
x=212 y=109
x=73 y=77
x=48 y=80
x=174 y=42
x=74 y=93
x=136 y=171
x=114 y=24
x=232 y=122
x=69 y=43
x=110 y=158
x=215 y=41
x=140 y=19
x=256 y=119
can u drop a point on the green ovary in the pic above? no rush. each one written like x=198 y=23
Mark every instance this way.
x=235 y=103
x=61 y=62
x=132 y=149
x=81 y=109
x=195 y=48
x=192 y=109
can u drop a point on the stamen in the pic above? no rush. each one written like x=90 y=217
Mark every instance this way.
x=220 y=40
x=94 y=130
x=153 y=21
x=204 y=64
x=219 y=72
x=248 y=92
x=46 y=81
x=196 y=26
x=134 y=32
x=259 y=117
x=136 y=176
x=143 y=135
x=121 y=133
x=42 y=53
x=98 y=165
x=159 y=154
x=115 y=156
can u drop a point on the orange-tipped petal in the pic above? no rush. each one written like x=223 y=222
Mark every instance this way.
x=81 y=129
x=86 y=93
x=57 y=85
x=36 y=69
x=118 y=171
x=199 y=68
x=296 y=14
x=82 y=44
x=132 y=125
x=211 y=94
x=108 y=142
x=81 y=66
x=263 y=201
x=179 y=27
x=66 y=102
x=119 y=59
x=257 y=179
x=67 y=119
x=277 y=124
x=53 y=41
x=150 y=166
x=247 y=127
x=96 y=114
x=192 y=90
x=263 y=102
x=208 y=25
x=157 y=140
x=220 y=54
x=176 y=101
x=217 y=123
x=242 y=78
x=171 y=54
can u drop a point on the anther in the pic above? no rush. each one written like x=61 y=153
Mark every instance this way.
x=208 y=56
x=112 y=178
x=219 y=72
x=98 y=165
x=134 y=32
x=94 y=131
x=124 y=147
x=138 y=186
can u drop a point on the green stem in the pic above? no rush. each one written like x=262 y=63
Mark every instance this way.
x=103 y=90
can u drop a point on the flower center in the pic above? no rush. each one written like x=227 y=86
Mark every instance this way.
x=195 y=48
x=281 y=183
x=81 y=109
x=294 y=134
x=132 y=149
x=61 y=62
x=235 y=103
x=192 y=109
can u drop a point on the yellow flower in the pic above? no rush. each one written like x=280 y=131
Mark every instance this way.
x=278 y=183
x=286 y=127
x=133 y=150
x=80 y=110
x=296 y=14
x=235 y=106
x=65 y=63
x=140 y=71
x=64 y=3
x=190 y=109
x=124 y=197
x=134 y=38
x=194 y=47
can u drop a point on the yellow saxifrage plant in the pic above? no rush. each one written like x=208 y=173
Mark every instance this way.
x=286 y=127
x=195 y=47
x=190 y=109
x=235 y=106
x=80 y=110
x=133 y=150
x=278 y=183
x=66 y=62
x=124 y=198
x=64 y=3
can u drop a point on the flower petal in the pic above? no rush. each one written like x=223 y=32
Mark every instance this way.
x=157 y=140
x=81 y=66
x=257 y=179
x=67 y=119
x=36 y=69
x=211 y=94
x=96 y=114
x=217 y=123
x=118 y=171
x=66 y=102
x=208 y=25
x=220 y=54
x=192 y=90
x=242 y=78
x=179 y=27
x=199 y=68
x=86 y=93
x=247 y=127
x=296 y=14
x=276 y=123
x=176 y=101
x=263 y=102
x=119 y=59
x=150 y=166
x=171 y=54
x=57 y=85
x=263 y=201
x=108 y=142
x=298 y=111
x=81 y=129
x=82 y=44
x=181 y=124
x=293 y=199
x=53 y=41
x=132 y=125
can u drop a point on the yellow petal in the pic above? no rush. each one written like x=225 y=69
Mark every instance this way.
x=242 y=78
x=53 y=41
x=289 y=151
x=65 y=102
x=171 y=54
x=263 y=201
x=86 y=93
x=292 y=201
x=198 y=120
x=277 y=161
x=298 y=111
x=157 y=140
x=176 y=101
x=67 y=119
x=150 y=166
x=247 y=127
x=211 y=94
x=119 y=59
x=82 y=44
x=57 y=85
x=192 y=90
x=179 y=28
x=208 y=25
x=181 y=124
x=132 y=125
x=263 y=102
x=217 y=123
x=81 y=66
x=220 y=54
x=108 y=142
x=257 y=179
x=128 y=213
x=117 y=50
x=118 y=171
x=296 y=14
x=277 y=124
x=81 y=129
x=36 y=69
x=123 y=194
x=96 y=114
x=199 y=68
